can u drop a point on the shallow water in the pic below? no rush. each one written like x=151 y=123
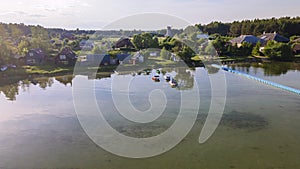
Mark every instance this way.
x=259 y=129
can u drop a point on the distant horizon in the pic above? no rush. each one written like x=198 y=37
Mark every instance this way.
x=104 y=28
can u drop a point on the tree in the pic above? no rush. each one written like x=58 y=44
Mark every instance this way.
x=138 y=41
x=23 y=47
x=256 y=50
x=144 y=41
x=220 y=45
x=210 y=49
x=96 y=50
x=3 y=32
x=5 y=52
x=165 y=54
x=40 y=39
x=186 y=54
x=278 y=51
x=246 y=49
x=16 y=33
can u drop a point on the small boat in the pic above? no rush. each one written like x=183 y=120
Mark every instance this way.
x=147 y=71
x=3 y=68
x=156 y=78
x=225 y=68
x=173 y=83
x=167 y=77
x=158 y=71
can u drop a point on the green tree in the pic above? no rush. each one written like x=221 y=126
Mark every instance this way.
x=23 y=47
x=5 y=52
x=210 y=49
x=3 y=32
x=246 y=49
x=16 y=33
x=256 y=50
x=165 y=54
x=186 y=54
x=138 y=41
x=144 y=41
x=40 y=39
x=220 y=45
x=96 y=50
x=278 y=51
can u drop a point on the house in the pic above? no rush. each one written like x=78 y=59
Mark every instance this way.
x=103 y=59
x=66 y=56
x=245 y=38
x=123 y=58
x=202 y=36
x=154 y=54
x=86 y=45
x=124 y=43
x=273 y=37
x=138 y=57
x=67 y=35
x=34 y=57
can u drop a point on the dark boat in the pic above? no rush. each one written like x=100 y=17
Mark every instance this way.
x=156 y=78
x=173 y=83
x=167 y=77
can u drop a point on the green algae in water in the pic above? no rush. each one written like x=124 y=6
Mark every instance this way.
x=242 y=120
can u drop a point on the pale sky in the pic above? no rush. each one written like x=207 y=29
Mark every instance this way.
x=96 y=14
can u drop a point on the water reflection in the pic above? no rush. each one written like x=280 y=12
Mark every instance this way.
x=185 y=78
x=11 y=90
x=270 y=69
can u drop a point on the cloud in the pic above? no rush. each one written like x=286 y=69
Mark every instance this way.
x=82 y=13
x=37 y=16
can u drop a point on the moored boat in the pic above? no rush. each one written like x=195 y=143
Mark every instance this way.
x=3 y=68
x=167 y=77
x=173 y=83
x=155 y=78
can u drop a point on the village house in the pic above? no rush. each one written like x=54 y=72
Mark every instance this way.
x=245 y=38
x=123 y=58
x=66 y=56
x=124 y=43
x=34 y=57
x=86 y=45
x=273 y=37
x=67 y=35
x=103 y=59
x=138 y=58
x=202 y=36
x=154 y=54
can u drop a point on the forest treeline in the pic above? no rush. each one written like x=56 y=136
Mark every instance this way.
x=286 y=26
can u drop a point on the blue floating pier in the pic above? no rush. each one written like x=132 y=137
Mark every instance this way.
x=290 y=89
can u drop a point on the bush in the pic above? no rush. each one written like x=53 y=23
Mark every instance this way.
x=278 y=51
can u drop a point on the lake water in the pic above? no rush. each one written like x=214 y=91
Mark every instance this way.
x=259 y=129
